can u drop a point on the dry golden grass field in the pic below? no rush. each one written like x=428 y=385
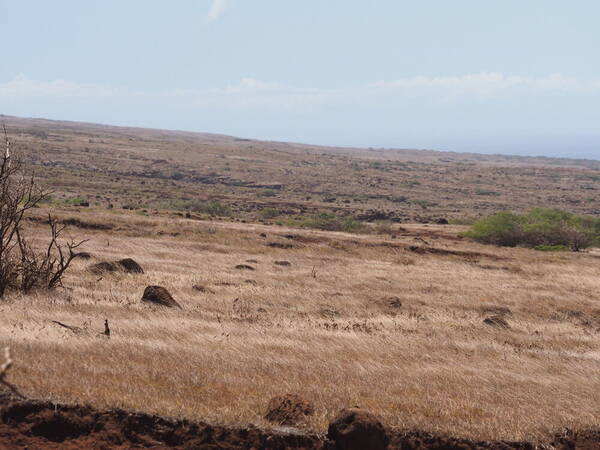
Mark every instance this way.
x=392 y=322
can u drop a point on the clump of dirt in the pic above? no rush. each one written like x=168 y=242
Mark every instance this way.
x=357 y=429
x=37 y=425
x=289 y=409
x=496 y=321
x=126 y=265
x=158 y=295
x=42 y=425
x=130 y=266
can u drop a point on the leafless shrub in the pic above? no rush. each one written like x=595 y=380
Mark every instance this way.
x=21 y=267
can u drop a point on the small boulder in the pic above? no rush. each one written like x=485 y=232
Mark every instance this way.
x=357 y=429
x=130 y=266
x=394 y=302
x=288 y=409
x=103 y=267
x=158 y=295
x=496 y=321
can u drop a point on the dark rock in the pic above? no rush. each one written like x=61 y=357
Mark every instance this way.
x=130 y=266
x=357 y=429
x=158 y=295
x=442 y=221
x=394 y=302
x=288 y=409
x=496 y=321
x=283 y=263
x=244 y=267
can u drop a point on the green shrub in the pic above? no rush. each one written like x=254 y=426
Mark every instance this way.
x=542 y=228
x=214 y=208
x=551 y=248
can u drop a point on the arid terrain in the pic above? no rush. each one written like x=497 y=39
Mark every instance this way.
x=257 y=180
x=426 y=329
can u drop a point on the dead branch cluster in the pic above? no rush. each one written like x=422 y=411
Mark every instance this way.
x=22 y=267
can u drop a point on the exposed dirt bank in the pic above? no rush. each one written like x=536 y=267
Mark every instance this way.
x=33 y=425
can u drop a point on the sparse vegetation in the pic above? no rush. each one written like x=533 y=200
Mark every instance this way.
x=326 y=221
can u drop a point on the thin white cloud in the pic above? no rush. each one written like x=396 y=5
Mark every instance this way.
x=217 y=9
x=492 y=82
x=256 y=95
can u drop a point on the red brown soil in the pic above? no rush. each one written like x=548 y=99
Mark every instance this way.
x=43 y=425
x=288 y=409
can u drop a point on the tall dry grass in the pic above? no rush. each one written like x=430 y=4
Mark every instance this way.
x=322 y=327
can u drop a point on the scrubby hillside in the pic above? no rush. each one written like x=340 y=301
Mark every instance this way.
x=276 y=181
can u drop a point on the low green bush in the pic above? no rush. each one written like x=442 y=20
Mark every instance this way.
x=542 y=228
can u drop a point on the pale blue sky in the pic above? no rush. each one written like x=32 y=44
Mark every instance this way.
x=505 y=76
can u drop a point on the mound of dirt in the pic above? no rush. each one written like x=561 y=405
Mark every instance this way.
x=158 y=295
x=496 y=321
x=357 y=429
x=42 y=425
x=288 y=409
x=130 y=266
x=126 y=265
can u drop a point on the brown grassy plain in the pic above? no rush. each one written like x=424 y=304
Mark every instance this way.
x=324 y=327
